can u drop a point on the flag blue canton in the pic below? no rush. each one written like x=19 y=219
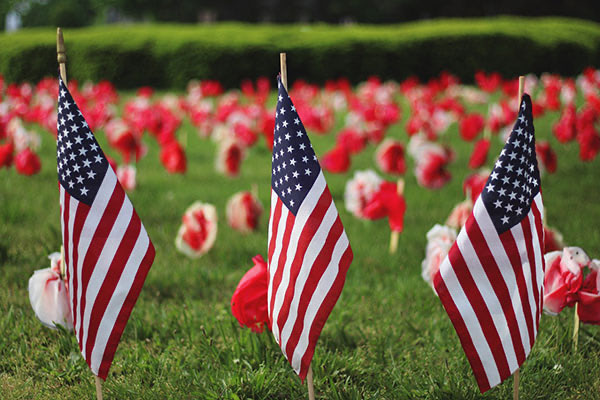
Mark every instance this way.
x=294 y=164
x=81 y=165
x=515 y=179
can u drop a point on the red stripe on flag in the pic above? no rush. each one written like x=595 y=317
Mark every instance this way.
x=463 y=332
x=130 y=300
x=316 y=272
x=110 y=282
x=111 y=212
x=492 y=271
x=463 y=274
x=304 y=240
x=324 y=310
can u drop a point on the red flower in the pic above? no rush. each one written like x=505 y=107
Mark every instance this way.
x=588 y=299
x=480 y=153
x=390 y=157
x=243 y=212
x=27 y=162
x=589 y=143
x=198 y=232
x=249 y=301
x=565 y=129
x=488 y=83
x=470 y=126
x=431 y=172
x=336 y=160
x=475 y=183
x=6 y=154
x=387 y=202
x=547 y=155
x=351 y=140
x=172 y=157
x=229 y=157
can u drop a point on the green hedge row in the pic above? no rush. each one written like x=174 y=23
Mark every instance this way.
x=168 y=56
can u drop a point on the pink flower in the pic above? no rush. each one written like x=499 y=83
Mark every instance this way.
x=249 y=303
x=198 y=232
x=243 y=212
x=49 y=297
x=27 y=162
x=126 y=176
x=459 y=214
x=563 y=278
x=390 y=157
x=439 y=241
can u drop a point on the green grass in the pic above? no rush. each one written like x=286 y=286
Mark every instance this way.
x=387 y=338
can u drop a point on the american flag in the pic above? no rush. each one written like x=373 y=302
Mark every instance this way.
x=491 y=281
x=107 y=250
x=309 y=252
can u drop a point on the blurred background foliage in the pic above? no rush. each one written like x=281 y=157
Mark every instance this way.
x=77 y=13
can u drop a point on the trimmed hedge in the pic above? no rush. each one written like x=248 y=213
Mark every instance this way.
x=168 y=56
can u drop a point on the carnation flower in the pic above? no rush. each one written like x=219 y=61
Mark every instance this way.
x=243 y=212
x=198 y=232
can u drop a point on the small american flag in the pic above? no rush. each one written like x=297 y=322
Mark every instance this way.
x=491 y=281
x=309 y=252
x=107 y=250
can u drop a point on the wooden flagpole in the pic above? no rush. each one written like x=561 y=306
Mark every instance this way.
x=575 y=328
x=284 y=82
x=395 y=235
x=61 y=57
x=516 y=373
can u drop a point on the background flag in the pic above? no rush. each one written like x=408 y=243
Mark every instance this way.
x=491 y=281
x=107 y=250
x=309 y=252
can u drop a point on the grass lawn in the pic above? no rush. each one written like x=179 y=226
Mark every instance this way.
x=387 y=338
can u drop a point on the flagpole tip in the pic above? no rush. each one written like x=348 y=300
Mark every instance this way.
x=61 y=55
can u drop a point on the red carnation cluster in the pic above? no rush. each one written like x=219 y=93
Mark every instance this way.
x=367 y=196
x=243 y=212
x=198 y=232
